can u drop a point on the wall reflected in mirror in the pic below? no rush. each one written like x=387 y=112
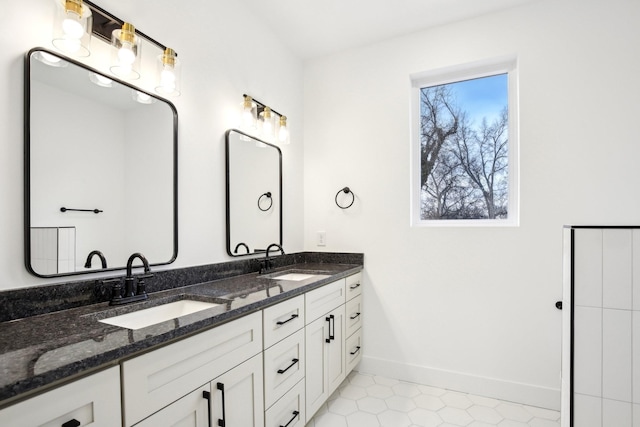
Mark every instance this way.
x=254 y=194
x=94 y=143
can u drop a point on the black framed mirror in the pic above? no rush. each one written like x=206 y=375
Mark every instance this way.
x=100 y=161
x=254 y=194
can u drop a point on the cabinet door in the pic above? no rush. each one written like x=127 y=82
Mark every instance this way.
x=90 y=401
x=237 y=399
x=190 y=411
x=324 y=350
x=335 y=349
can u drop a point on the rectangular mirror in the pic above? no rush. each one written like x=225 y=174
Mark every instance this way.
x=254 y=194
x=100 y=170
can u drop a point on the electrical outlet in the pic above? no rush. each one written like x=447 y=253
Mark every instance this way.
x=322 y=238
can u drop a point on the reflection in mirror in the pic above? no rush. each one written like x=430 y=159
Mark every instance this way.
x=254 y=194
x=106 y=153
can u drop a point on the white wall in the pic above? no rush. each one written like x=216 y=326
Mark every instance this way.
x=473 y=308
x=225 y=51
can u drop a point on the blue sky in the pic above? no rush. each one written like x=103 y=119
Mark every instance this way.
x=482 y=97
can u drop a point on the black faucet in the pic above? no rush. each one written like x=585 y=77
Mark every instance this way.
x=130 y=295
x=266 y=264
x=103 y=260
x=235 y=251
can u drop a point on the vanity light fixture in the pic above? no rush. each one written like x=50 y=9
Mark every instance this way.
x=72 y=26
x=126 y=49
x=262 y=121
x=100 y=80
x=168 y=73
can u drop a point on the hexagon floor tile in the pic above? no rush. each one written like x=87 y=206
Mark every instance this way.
x=364 y=400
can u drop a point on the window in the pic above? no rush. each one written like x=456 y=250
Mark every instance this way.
x=464 y=146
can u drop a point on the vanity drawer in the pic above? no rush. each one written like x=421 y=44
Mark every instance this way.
x=93 y=400
x=283 y=319
x=155 y=379
x=354 y=315
x=354 y=285
x=283 y=367
x=289 y=410
x=353 y=350
x=322 y=300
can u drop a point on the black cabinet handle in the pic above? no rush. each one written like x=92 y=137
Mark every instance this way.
x=293 y=362
x=71 y=423
x=295 y=415
x=293 y=316
x=355 y=351
x=222 y=422
x=207 y=395
x=559 y=305
x=331 y=319
x=356 y=286
x=354 y=316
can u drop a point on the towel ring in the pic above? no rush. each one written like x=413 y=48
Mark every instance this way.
x=268 y=196
x=345 y=190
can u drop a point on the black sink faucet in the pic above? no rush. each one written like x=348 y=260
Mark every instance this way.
x=266 y=263
x=103 y=260
x=131 y=295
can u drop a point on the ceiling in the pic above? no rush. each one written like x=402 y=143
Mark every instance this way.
x=320 y=27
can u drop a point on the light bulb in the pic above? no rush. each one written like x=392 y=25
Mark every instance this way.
x=283 y=132
x=72 y=27
x=126 y=54
x=168 y=79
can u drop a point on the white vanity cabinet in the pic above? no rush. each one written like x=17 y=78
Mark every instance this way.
x=324 y=343
x=90 y=401
x=156 y=379
x=353 y=333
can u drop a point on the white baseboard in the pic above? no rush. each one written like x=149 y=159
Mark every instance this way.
x=527 y=394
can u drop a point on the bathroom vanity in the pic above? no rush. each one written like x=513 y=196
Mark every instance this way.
x=268 y=351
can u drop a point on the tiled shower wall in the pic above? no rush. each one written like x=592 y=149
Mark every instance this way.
x=606 y=310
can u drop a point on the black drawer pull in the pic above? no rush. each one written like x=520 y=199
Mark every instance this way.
x=72 y=423
x=222 y=421
x=354 y=316
x=293 y=362
x=355 y=351
x=356 y=286
x=295 y=415
x=207 y=395
x=293 y=316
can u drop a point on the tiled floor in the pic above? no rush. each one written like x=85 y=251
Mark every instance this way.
x=372 y=401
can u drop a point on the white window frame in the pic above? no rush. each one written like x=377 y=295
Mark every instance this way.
x=504 y=65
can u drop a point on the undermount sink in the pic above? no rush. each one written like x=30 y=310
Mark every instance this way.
x=297 y=275
x=161 y=313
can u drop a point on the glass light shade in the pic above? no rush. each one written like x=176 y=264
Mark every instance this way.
x=283 y=131
x=72 y=27
x=125 y=52
x=266 y=124
x=248 y=122
x=100 y=80
x=169 y=71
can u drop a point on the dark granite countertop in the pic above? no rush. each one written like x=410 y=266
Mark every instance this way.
x=41 y=351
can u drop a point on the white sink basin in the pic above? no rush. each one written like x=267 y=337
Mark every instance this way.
x=151 y=316
x=296 y=277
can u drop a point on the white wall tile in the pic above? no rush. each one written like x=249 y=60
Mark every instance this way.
x=617 y=268
x=616 y=414
x=588 y=267
x=616 y=354
x=587 y=411
x=587 y=358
